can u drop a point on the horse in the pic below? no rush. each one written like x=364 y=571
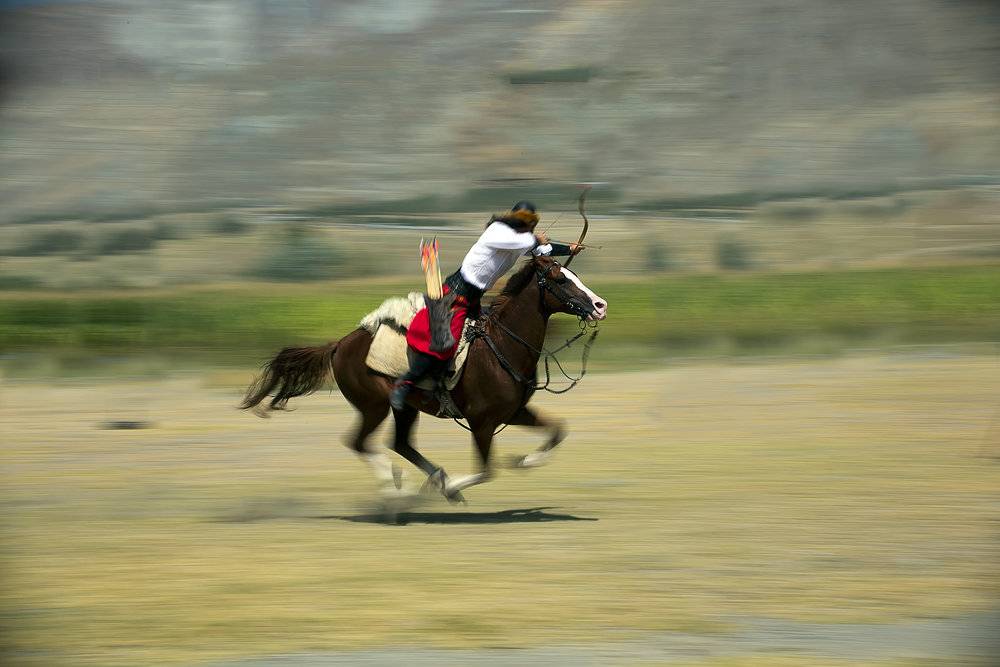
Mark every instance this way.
x=497 y=381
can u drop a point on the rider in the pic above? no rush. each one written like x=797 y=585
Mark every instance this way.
x=507 y=238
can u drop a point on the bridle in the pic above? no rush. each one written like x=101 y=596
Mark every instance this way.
x=540 y=275
x=541 y=278
x=532 y=384
x=478 y=330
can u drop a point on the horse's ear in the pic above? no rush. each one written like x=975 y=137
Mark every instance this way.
x=547 y=266
x=544 y=262
x=551 y=269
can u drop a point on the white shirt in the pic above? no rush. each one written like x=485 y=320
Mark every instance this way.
x=496 y=251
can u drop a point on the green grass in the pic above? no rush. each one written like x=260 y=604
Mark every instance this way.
x=769 y=310
x=735 y=314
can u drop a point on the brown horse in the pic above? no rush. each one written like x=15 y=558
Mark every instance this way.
x=496 y=384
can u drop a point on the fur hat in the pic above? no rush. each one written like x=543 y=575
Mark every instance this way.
x=522 y=217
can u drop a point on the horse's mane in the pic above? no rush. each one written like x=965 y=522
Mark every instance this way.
x=515 y=285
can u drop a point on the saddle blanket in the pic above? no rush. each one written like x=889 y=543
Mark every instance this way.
x=388 y=351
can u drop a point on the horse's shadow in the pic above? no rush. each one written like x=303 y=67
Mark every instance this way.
x=530 y=515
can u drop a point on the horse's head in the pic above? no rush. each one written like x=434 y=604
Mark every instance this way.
x=563 y=291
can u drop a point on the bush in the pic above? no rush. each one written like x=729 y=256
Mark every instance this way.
x=301 y=256
x=659 y=257
x=167 y=231
x=133 y=239
x=732 y=254
x=562 y=75
x=51 y=242
x=19 y=282
x=229 y=225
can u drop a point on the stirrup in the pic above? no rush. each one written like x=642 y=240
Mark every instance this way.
x=447 y=408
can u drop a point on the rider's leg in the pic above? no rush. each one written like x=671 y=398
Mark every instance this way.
x=420 y=365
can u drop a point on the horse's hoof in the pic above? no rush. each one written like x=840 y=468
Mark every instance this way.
x=436 y=482
x=533 y=460
x=513 y=462
x=455 y=497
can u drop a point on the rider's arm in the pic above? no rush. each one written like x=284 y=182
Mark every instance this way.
x=560 y=249
x=552 y=248
x=501 y=237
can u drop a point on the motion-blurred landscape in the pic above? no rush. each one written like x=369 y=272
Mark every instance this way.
x=160 y=147
x=795 y=219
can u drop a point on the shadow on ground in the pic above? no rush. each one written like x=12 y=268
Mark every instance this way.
x=531 y=515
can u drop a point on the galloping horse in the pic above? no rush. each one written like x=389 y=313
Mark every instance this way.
x=497 y=381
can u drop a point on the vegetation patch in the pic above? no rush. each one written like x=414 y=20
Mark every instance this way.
x=558 y=75
x=50 y=242
x=301 y=255
x=126 y=240
x=737 y=313
x=17 y=281
x=230 y=225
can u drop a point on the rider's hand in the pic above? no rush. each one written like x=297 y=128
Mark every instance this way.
x=575 y=248
x=541 y=237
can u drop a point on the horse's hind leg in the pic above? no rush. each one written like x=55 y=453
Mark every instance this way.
x=528 y=417
x=377 y=461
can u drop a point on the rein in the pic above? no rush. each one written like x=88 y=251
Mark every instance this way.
x=478 y=330
x=532 y=383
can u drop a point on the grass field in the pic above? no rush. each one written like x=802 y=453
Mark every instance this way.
x=660 y=316
x=688 y=503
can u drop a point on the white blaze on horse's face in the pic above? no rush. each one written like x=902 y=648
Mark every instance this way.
x=600 y=305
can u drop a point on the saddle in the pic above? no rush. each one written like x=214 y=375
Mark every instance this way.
x=389 y=353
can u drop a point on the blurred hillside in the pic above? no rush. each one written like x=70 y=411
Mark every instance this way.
x=128 y=108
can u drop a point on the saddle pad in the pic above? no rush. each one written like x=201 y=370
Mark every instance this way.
x=398 y=311
x=387 y=355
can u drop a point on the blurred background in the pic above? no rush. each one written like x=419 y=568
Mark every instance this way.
x=797 y=208
x=153 y=151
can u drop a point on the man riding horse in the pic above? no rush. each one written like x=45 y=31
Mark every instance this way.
x=507 y=238
x=498 y=377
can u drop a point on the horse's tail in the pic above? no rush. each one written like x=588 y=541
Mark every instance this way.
x=295 y=371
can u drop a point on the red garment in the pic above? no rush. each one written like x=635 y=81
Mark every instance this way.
x=418 y=335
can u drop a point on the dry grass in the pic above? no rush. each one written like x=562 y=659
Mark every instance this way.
x=840 y=491
x=918 y=228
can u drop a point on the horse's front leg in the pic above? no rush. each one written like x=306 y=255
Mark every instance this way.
x=482 y=435
x=437 y=478
x=401 y=442
x=557 y=433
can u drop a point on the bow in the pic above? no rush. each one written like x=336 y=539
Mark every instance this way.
x=586 y=223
